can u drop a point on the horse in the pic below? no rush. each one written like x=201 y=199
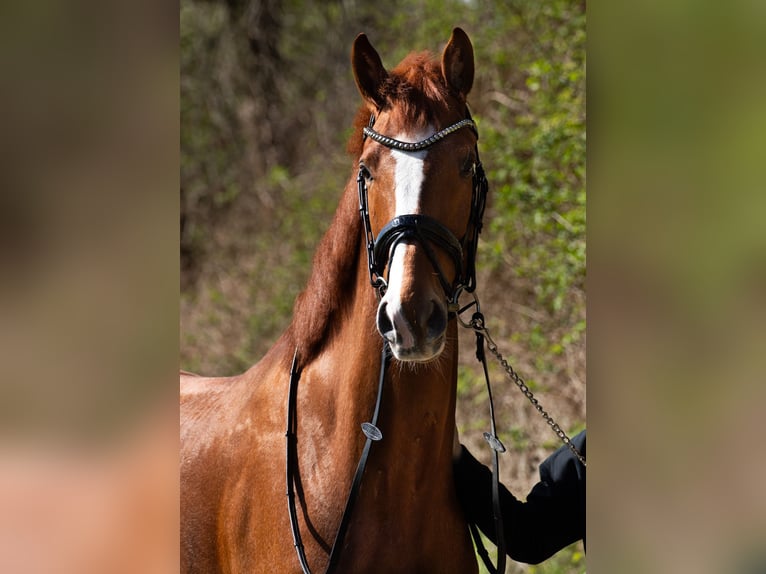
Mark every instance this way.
x=374 y=330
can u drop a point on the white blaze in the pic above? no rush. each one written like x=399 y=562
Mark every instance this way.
x=408 y=179
x=408 y=184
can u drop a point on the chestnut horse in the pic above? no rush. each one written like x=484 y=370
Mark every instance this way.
x=415 y=175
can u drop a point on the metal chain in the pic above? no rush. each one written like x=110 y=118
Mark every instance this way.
x=478 y=325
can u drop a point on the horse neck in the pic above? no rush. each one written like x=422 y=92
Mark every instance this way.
x=418 y=416
x=418 y=401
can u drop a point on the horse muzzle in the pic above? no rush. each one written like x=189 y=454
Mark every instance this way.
x=412 y=315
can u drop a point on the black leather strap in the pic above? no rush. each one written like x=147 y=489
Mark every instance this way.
x=291 y=460
x=421 y=226
x=372 y=433
x=369 y=430
x=497 y=447
x=426 y=230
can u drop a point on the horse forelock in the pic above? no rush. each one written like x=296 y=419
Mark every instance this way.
x=415 y=93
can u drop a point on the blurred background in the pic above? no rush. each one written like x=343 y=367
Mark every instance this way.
x=267 y=101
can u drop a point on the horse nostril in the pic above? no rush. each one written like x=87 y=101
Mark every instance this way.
x=436 y=323
x=385 y=326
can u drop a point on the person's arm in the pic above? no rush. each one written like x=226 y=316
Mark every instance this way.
x=552 y=517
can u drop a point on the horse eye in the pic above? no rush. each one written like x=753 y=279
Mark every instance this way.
x=469 y=166
x=365 y=172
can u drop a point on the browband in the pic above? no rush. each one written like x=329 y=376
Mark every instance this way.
x=416 y=146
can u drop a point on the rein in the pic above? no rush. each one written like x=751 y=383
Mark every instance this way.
x=370 y=430
x=478 y=325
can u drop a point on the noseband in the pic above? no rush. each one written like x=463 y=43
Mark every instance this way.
x=423 y=228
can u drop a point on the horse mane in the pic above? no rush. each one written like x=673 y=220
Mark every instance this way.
x=417 y=90
x=332 y=276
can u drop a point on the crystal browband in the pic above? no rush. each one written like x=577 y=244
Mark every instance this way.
x=416 y=146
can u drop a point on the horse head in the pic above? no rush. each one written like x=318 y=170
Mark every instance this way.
x=420 y=190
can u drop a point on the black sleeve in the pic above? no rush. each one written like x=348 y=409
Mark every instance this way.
x=552 y=517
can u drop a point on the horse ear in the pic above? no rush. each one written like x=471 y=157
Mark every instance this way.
x=457 y=62
x=369 y=72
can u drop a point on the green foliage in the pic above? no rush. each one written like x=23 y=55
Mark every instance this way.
x=535 y=155
x=570 y=560
x=210 y=150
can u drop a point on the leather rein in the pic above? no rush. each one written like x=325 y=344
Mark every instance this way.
x=426 y=231
x=369 y=429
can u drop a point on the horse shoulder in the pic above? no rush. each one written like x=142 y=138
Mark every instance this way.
x=231 y=427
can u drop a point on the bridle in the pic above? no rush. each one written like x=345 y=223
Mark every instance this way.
x=426 y=230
